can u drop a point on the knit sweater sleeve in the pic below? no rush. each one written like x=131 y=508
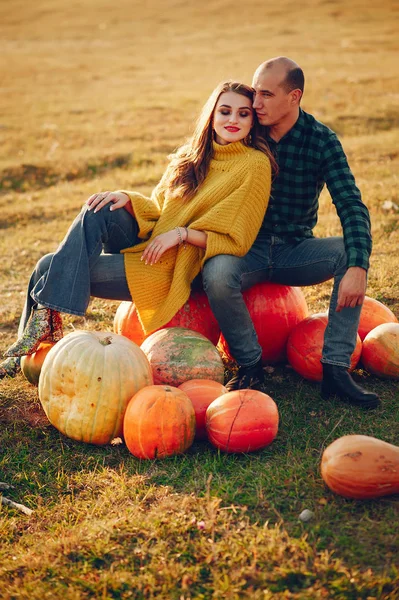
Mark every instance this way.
x=236 y=220
x=146 y=210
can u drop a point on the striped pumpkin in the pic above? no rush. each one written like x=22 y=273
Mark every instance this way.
x=159 y=422
x=177 y=354
x=86 y=382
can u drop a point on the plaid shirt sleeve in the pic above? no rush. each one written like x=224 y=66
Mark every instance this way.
x=345 y=194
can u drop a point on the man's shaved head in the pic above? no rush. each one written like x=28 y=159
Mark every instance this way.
x=292 y=76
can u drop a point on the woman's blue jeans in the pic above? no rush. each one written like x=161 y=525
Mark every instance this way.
x=272 y=259
x=87 y=263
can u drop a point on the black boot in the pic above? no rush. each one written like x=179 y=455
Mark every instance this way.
x=338 y=382
x=247 y=378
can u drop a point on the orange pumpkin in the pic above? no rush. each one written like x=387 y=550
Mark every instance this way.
x=159 y=422
x=305 y=345
x=201 y=393
x=86 y=382
x=374 y=313
x=177 y=355
x=380 y=354
x=31 y=365
x=242 y=421
x=275 y=309
x=362 y=467
x=196 y=315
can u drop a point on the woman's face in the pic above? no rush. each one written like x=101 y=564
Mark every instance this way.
x=233 y=118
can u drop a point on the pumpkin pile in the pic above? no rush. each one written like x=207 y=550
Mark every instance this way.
x=161 y=420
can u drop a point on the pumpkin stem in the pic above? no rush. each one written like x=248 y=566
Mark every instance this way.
x=106 y=341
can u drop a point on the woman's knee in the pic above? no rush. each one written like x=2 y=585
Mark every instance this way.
x=43 y=264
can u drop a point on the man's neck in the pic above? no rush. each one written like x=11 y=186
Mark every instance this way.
x=278 y=131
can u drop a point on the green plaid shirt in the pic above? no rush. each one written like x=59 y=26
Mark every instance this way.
x=309 y=156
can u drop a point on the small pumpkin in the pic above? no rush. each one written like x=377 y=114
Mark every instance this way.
x=201 y=393
x=159 y=422
x=361 y=467
x=86 y=382
x=374 y=313
x=305 y=346
x=31 y=365
x=177 y=354
x=242 y=421
x=380 y=354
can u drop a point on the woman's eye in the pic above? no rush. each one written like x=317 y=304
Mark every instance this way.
x=225 y=112
x=246 y=114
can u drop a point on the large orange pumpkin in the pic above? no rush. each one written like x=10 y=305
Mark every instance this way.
x=305 y=345
x=159 y=422
x=374 y=313
x=196 y=315
x=362 y=467
x=275 y=309
x=177 y=354
x=86 y=382
x=242 y=421
x=380 y=354
x=31 y=365
x=201 y=393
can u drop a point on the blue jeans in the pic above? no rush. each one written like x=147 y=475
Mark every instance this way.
x=87 y=263
x=273 y=259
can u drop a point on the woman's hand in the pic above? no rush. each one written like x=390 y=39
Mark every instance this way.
x=159 y=245
x=97 y=201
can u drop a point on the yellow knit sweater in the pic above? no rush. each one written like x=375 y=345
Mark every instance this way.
x=229 y=206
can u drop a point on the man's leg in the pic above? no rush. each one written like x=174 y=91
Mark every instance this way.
x=224 y=278
x=313 y=261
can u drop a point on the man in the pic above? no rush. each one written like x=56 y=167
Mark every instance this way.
x=309 y=155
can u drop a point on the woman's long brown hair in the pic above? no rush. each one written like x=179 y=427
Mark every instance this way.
x=189 y=166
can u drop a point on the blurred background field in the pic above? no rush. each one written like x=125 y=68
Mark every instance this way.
x=94 y=96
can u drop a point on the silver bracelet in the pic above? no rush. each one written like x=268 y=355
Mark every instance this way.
x=179 y=235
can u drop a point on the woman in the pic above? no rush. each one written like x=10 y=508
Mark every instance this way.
x=211 y=200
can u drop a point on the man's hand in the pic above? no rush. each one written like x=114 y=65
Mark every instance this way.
x=97 y=201
x=352 y=288
x=159 y=245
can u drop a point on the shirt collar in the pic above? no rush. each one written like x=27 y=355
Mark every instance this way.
x=295 y=132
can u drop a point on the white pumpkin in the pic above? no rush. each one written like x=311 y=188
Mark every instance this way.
x=86 y=382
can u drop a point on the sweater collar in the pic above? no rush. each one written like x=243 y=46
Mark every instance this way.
x=228 y=151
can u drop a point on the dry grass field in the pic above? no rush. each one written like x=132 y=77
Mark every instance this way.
x=94 y=95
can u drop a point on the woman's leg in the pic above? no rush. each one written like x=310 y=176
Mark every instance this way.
x=61 y=282
x=65 y=287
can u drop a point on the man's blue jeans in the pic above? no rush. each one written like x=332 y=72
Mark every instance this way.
x=272 y=259
x=87 y=263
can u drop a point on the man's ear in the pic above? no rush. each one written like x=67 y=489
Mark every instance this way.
x=296 y=96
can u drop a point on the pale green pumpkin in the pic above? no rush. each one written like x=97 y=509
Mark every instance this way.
x=86 y=382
